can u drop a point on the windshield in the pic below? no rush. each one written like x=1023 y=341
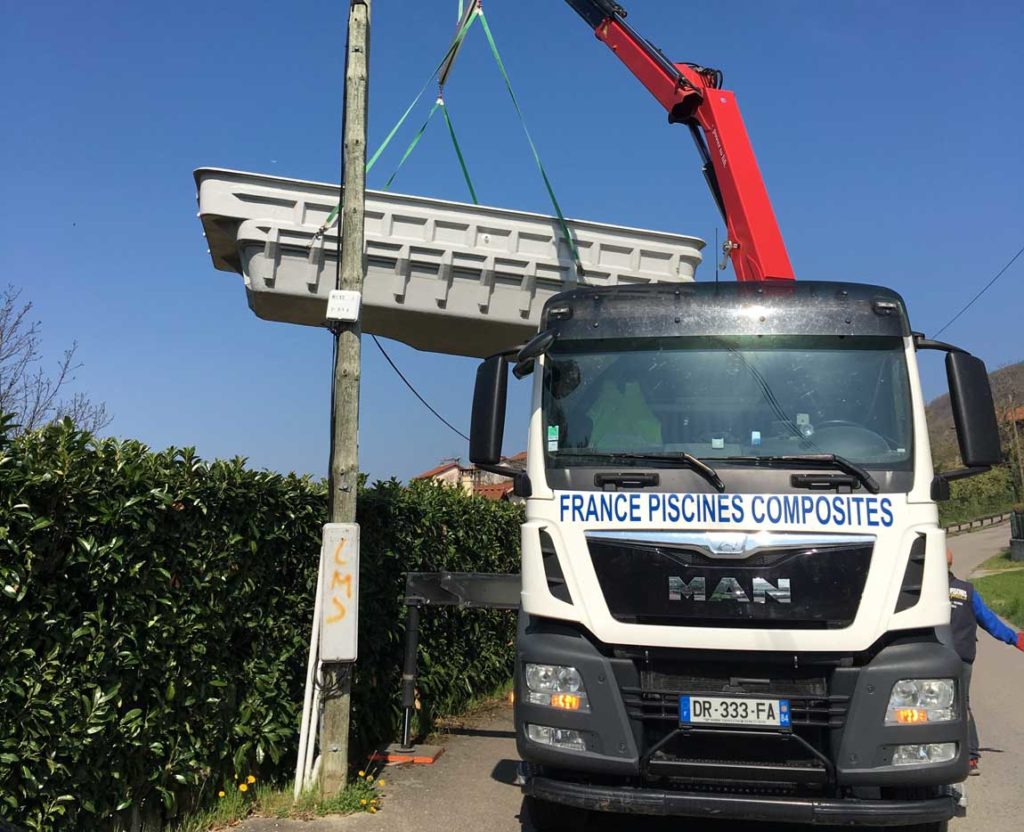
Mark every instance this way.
x=719 y=397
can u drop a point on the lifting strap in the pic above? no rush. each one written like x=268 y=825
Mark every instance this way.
x=412 y=145
x=439 y=104
x=569 y=239
x=449 y=55
x=458 y=152
x=467 y=16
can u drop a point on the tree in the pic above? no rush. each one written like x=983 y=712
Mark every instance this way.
x=33 y=396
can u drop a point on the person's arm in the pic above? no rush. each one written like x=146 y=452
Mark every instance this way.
x=991 y=624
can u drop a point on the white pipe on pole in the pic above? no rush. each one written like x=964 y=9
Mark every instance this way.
x=311 y=767
x=308 y=711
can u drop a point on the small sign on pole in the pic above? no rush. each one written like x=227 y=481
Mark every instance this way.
x=339 y=593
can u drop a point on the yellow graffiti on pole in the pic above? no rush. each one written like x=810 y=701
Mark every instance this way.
x=339 y=592
x=341 y=579
x=340 y=607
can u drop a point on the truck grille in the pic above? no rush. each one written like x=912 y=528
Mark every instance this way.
x=662 y=707
x=791 y=759
x=812 y=582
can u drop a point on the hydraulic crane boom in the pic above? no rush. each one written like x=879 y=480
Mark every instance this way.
x=693 y=96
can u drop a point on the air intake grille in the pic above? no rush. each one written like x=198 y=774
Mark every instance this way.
x=732 y=756
x=810 y=586
x=662 y=706
x=910 y=590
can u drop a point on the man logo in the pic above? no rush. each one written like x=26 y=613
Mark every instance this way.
x=728 y=589
x=727 y=544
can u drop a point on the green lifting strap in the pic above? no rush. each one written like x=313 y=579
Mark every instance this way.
x=412 y=145
x=458 y=152
x=536 y=156
x=453 y=48
x=439 y=104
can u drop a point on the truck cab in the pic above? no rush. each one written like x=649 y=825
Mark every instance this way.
x=734 y=588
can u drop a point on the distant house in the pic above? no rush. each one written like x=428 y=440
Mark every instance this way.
x=450 y=472
x=474 y=481
x=498 y=491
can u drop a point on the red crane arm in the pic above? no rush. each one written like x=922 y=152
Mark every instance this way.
x=692 y=95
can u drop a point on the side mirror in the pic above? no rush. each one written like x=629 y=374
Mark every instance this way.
x=974 y=412
x=487 y=425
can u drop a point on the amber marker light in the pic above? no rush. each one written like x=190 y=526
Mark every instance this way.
x=565 y=701
x=911 y=716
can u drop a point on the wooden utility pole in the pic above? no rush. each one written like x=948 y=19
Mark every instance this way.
x=344 y=478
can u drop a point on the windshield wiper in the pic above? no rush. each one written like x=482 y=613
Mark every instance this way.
x=815 y=460
x=680 y=458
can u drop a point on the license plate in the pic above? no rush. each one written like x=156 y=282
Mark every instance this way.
x=730 y=710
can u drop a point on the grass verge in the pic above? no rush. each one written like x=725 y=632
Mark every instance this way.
x=363 y=794
x=999 y=562
x=478 y=707
x=1004 y=594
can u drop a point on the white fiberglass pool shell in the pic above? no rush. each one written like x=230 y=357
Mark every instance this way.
x=441 y=276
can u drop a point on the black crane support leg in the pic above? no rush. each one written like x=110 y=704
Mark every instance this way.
x=412 y=641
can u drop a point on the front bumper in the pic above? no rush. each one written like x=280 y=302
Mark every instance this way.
x=836 y=766
x=646 y=801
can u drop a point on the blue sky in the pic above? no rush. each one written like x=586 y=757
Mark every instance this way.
x=889 y=135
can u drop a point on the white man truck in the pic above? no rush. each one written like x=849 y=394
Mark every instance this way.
x=734 y=589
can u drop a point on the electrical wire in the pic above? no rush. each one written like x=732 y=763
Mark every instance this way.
x=415 y=392
x=987 y=286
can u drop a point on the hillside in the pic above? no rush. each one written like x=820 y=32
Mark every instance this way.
x=1007 y=389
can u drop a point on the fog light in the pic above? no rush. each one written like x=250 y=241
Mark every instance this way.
x=914 y=701
x=556 y=686
x=932 y=752
x=557 y=737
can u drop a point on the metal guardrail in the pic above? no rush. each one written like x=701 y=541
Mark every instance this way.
x=978 y=522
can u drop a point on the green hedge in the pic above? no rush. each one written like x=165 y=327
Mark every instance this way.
x=155 y=620
x=980 y=496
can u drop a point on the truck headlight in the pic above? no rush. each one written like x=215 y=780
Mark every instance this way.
x=556 y=686
x=915 y=701
x=558 y=737
x=932 y=752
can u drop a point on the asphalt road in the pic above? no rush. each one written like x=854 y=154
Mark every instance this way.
x=470 y=787
x=996 y=798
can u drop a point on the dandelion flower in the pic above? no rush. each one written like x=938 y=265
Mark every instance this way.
x=369 y=778
x=250 y=779
x=373 y=810
x=242 y=787
x=380 y=783
x=362 y=802
x=362 y=774
x=220 y=793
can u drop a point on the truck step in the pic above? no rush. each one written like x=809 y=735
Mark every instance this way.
x=739 y=771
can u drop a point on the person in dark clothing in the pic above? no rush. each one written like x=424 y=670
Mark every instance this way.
x=967 y=611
